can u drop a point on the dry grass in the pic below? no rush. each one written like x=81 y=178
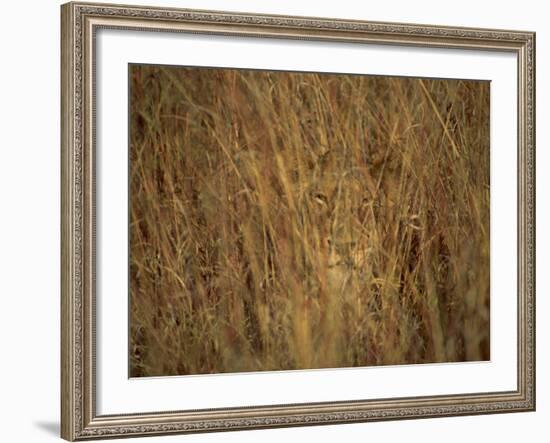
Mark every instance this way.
x=292 y=220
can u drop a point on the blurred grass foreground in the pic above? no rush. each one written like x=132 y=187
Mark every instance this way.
x=286 y=220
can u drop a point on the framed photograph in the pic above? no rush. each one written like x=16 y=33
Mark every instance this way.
x=282 y=221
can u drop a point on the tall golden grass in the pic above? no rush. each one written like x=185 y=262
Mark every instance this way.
x=301 y=220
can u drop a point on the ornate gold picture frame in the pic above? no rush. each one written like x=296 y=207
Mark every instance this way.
x=80 y=242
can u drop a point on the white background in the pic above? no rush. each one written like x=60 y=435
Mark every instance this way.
x=29 y=221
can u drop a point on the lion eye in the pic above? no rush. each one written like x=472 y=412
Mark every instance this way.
x=320 y=198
